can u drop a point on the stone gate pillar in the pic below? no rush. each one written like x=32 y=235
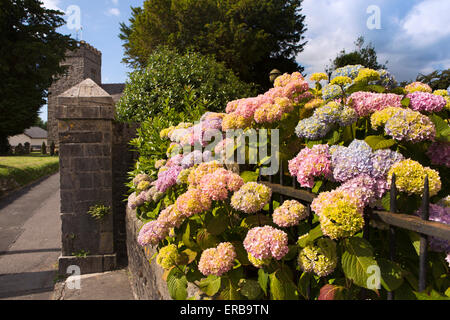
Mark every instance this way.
x=85 y=127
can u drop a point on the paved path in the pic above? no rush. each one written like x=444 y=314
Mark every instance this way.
x=30 y=241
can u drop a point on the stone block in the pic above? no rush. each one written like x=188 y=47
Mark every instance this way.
x=69 y=150
x=106 y=245
x=87 y=265
x=80 y=137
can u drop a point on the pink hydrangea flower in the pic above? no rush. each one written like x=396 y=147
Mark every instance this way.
x=152 y=233
x=217 y=261
x=311 y=163
x=266 y=242
x=366 y=103
x=424 y=101
x=289 y=214
x=192 y=202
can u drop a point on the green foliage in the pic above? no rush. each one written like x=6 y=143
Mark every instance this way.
x=52 y=149
x=210 y=285
x=98 y=212
x=438 y=79
x=81 y=254
x=366 y=56
x=357 y=258
x=43 y=148
x=148 y=142
x=251 y=37
x=27 y=148
x=169 y=77
x=30 y=57
x=177 y=284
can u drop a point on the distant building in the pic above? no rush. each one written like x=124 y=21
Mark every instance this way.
x=34 y=136
x=83 y=63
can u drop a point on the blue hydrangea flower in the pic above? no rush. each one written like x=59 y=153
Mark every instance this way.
x=312 y=129
x=331 y=91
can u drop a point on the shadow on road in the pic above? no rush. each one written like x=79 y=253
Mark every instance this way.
x=6 y=253
x=27 y=283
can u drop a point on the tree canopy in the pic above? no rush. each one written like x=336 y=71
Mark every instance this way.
x=251 y=37
x=30 y=54
x=363 y=55
x=170 y=76
x=438 y=79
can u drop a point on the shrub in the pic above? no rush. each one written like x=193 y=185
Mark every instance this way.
x=27 y=148
x=43 y=148
x=19 y=149
x=52 y=149
x=240 y=242
x=149 y=143
x=169 y=75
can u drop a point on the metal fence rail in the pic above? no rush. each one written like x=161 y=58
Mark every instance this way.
x=422 y=225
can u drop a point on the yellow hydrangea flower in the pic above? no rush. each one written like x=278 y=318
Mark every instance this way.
x=320 y=259
x=168 y=256
x=379 y=118
x=319 y=76
x=341 y=81
x=410 y=177
x=367 y=75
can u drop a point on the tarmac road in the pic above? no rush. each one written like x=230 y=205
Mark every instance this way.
x=30 y=241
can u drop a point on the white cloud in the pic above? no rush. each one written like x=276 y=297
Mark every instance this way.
x=113 y=12
x=115 y=2
x=332 y=26
x=52 y=4
x=427 y=22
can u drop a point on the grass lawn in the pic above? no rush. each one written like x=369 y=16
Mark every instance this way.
x=17 y=171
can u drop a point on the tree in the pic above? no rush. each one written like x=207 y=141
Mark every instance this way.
x=43 y=148
x=438 y=79
x=251 y=37
x=170 y=76
x=41 y=123
x=30 y=54
x=366 y=56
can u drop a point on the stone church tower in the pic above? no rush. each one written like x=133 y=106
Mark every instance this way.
x=85 y=62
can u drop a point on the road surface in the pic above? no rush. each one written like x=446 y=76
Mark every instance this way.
x=30 y=241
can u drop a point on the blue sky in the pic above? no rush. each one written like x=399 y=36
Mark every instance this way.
x=414 y=35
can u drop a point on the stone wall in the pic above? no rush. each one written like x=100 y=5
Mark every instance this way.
x=146 y=278
x=122 y=162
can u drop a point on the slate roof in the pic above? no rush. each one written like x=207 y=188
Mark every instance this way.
x=114 y=89
x=36 y=133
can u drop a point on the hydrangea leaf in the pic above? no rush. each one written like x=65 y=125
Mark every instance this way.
x=313 y=235
x=331 y=292
x=210 y=285
x=206 y=240
x=379 y=142
x=177 y=284
x=241 y=253
x=282 y=287
x=357 y=261
x=186 y=238
x=217 y=225
x=303 y=284
x=250 y=289
x=249 y=176
x=230 y=290
x=263 y=280
x=391 y=274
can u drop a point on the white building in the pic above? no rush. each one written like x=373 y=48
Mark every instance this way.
x=34 y=136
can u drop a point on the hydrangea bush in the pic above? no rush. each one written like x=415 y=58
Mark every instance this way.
x=226 y=232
